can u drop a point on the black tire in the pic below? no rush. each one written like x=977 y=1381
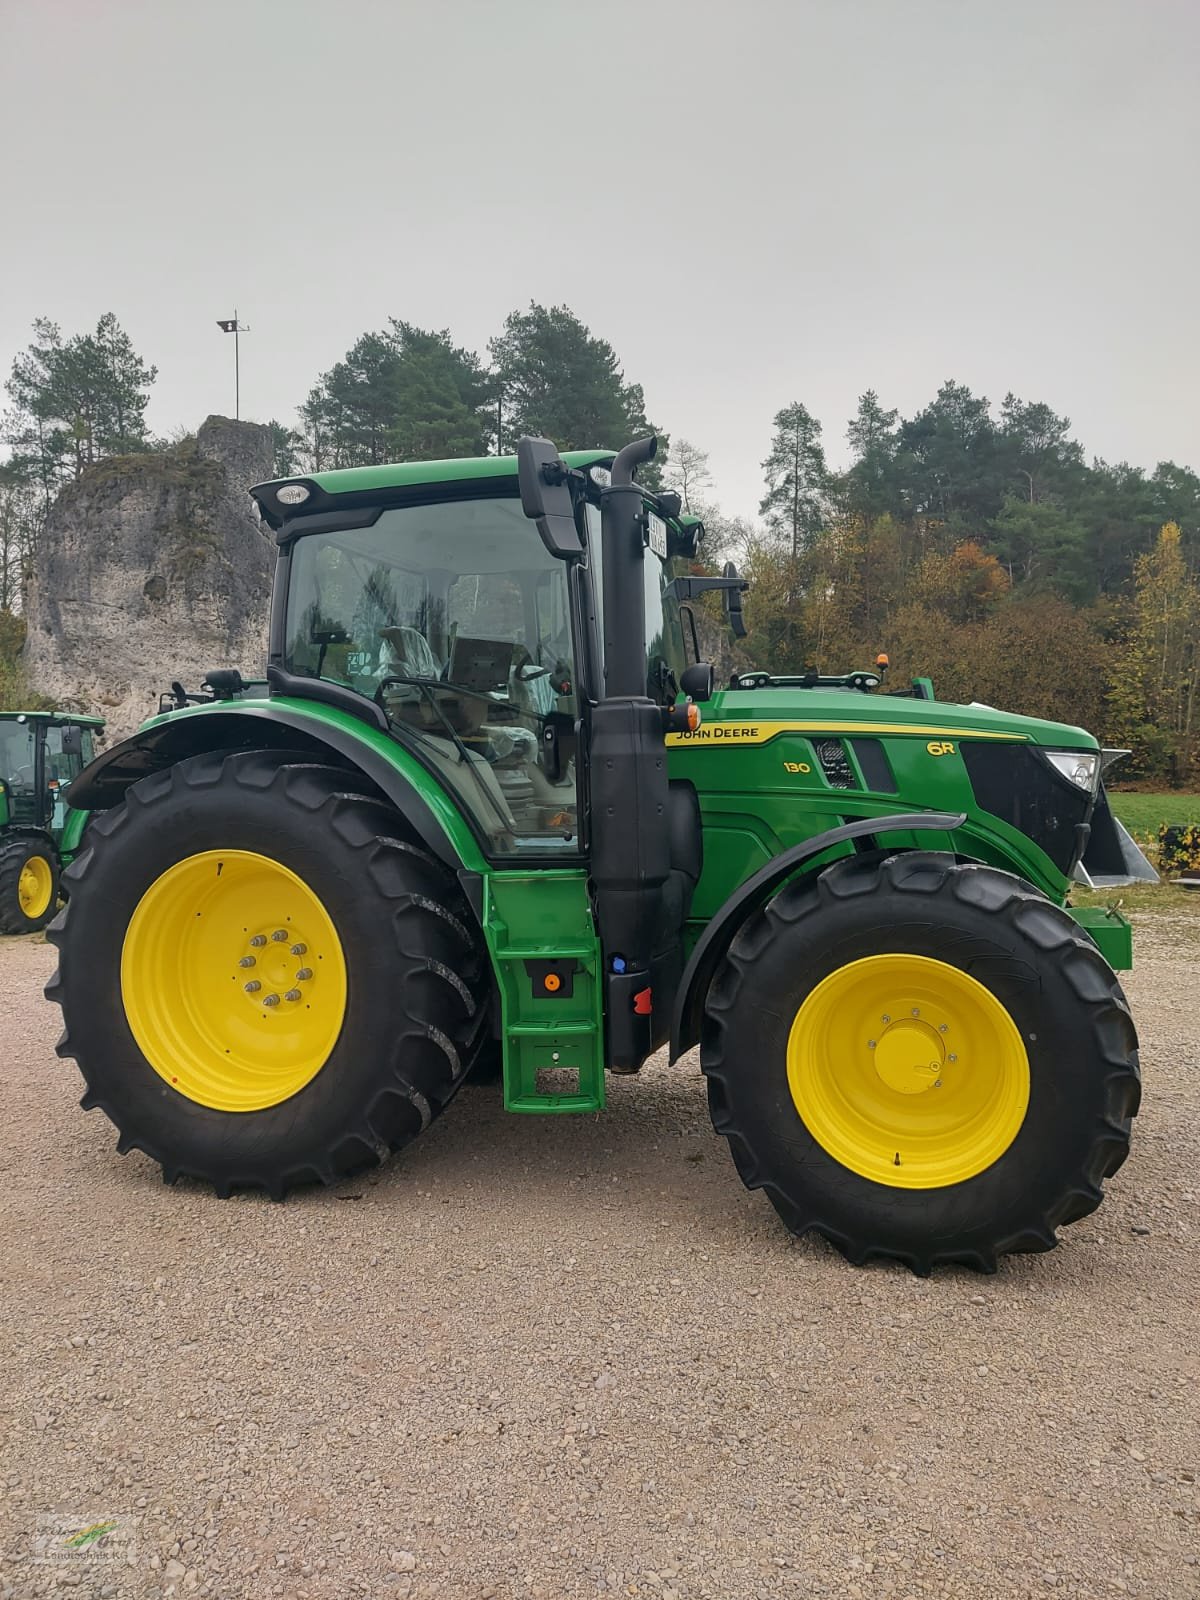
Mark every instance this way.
x=1058 y=990
x=417 y=981
x=15 y=854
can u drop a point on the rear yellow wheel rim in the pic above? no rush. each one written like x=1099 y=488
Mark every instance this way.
x=233 y=980
x=35 y=886
x=908 y=1071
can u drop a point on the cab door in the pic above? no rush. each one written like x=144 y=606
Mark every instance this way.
x=60 y=767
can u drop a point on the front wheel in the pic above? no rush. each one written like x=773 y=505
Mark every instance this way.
x=28 y=883
x=263 y=982
x=921 y=1060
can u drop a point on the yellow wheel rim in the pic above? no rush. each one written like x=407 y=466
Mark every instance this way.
x=233 y=980
x=908 y=1071
x=35 y=886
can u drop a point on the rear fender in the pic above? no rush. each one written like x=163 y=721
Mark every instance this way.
x=752 y=895
x=103 y=785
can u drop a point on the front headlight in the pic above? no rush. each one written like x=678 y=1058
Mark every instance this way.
x=1080 y=767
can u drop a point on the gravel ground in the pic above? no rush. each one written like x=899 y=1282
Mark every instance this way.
x=555 y=1357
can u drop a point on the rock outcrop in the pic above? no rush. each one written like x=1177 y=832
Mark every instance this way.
x=152 y=567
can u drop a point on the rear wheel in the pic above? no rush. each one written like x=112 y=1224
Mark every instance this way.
x=921 y=1060
x=262 y=981
x=28 y=884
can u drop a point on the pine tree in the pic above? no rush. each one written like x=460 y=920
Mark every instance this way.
x=797 y=480
x=560 y=381
x=402 y=394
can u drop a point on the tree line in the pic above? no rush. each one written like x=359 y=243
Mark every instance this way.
x=974 y=544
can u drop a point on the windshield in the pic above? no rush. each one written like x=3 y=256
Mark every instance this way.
x=454 y=618
x=16 y=754
x=17 y=770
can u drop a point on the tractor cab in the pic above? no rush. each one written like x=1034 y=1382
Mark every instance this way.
x=41 y=755
x=476 y=643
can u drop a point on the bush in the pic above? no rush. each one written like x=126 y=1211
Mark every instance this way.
x=1179 y=848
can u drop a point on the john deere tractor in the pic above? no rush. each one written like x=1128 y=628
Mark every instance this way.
x=492 y=807
x=41 y=753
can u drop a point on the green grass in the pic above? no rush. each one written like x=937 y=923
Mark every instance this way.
x=1141 y=897
x=1143 y=814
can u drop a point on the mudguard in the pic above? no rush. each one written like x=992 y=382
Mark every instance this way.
x=163 y=744
x=712 y=944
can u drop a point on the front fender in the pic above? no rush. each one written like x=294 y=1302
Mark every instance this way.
x=282 y=725
x=752 y=895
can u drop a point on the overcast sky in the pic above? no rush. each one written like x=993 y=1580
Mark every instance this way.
x=755 y=202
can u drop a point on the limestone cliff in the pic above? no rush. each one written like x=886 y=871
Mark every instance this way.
x=152 y=567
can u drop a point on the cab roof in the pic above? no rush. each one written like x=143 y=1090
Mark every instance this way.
x=365 y=481
x=57 y=717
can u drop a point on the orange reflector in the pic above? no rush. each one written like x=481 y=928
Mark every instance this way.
x=693 y=716
x=553 y=982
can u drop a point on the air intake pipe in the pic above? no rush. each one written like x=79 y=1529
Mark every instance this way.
x=630 y=843
x=622 y=533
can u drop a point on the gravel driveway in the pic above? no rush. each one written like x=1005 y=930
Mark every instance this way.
x=555 y=1357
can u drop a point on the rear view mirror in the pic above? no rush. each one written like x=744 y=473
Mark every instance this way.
x=72 y=740
x=696 y=681
x=733 y=602
x=546 y=497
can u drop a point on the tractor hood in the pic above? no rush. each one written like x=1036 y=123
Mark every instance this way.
x=755 y=716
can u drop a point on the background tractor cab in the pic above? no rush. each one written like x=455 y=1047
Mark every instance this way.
x=41 y=754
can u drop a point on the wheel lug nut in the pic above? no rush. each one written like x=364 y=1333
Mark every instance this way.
x=271 y=1000
x=303 y=973
x=293 y=994
x=942 y=1028
x=280 y=935
x=258 y=941
x=870 y=1044
x=253 y=986
x=916 y=1011
x=299 y=949
x=954 y=1058
x=246 y=961
x=885 y=1019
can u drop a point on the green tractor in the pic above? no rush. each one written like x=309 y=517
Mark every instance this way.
x=490 y=808
x=41 y=753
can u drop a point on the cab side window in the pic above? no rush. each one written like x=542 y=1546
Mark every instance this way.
x=60 y=767
x=666 y=655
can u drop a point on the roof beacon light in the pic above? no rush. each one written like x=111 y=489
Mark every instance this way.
x=292 y=494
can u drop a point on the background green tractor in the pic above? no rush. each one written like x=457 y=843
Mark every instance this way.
x=492 y=806
x=41 y=754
